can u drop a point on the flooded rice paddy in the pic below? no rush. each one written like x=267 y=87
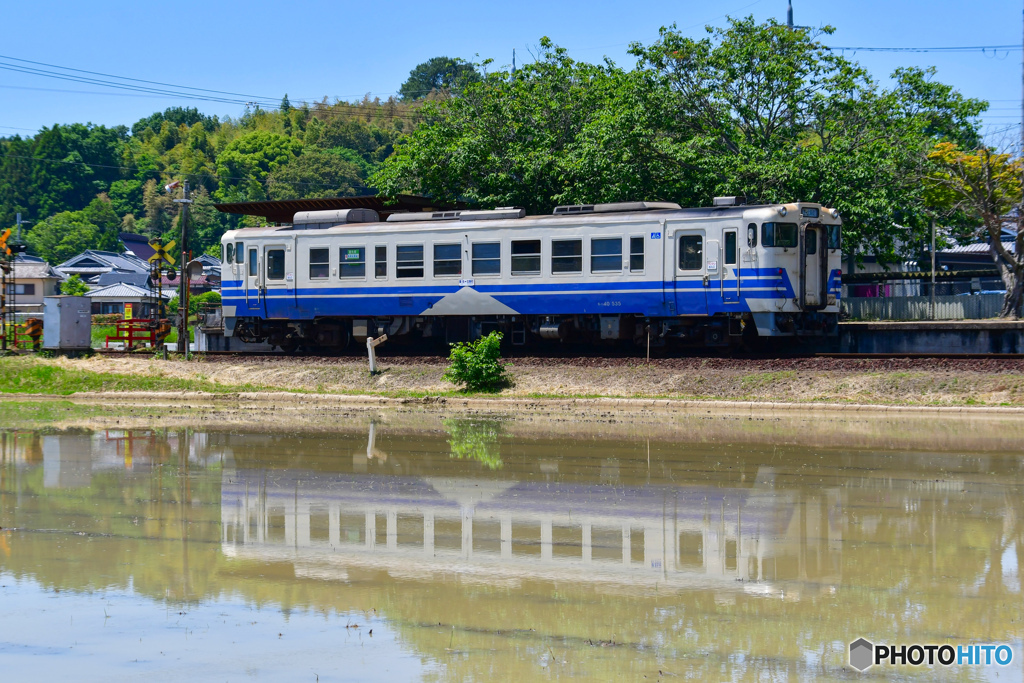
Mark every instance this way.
x=383 y=547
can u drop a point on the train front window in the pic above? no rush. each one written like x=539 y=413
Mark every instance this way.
x=730 y=248
x=752 y=235
x=352 y=262
x=447 y=259
x=487 y=259
x=812 y=241
x=566 y=256
x=605 y=255
x=409 y=261
x=691 y=252
x=779 y=235
x=253 y=268
x=229 y=253
x=636 y=254
x=834 y=236
x=275 y=264
x=526 y=257
x=239 y=252
x=319 y=263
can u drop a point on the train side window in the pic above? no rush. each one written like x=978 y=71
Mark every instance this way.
x=834 y=236
x=275 y=264
x=229 y=253
x=606 y=255
x=409 y=261
x=691 y=252
x=253 y=266
x=380 y=261
x=447 y=259
x=812 y=241
x=239 y=252
x=526 y=257
x=352 y=262
x=752 y=235
x=730 y=248
x=778 y=234
x=319 y=263
x=566 y=256
x=487 y=258
x=636 y=254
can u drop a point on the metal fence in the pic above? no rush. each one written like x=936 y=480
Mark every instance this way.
x=963 y=307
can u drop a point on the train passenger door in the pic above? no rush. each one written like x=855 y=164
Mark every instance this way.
x=278 y=279
x=813 y=252
x=691 y=273
x=253 y=281
x=729 y=280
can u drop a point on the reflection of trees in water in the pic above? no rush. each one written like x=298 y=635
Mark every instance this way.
x=475 y=440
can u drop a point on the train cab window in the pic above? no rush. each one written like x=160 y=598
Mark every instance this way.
x=239 y=252
x=691 y=252
x=811 y=241
x=352 y=262
x=834 y=239
x=487 y=258
x=752 y=235
x=606 y=255
x=730 y=248
x=779 y=234
x=275 y=264
x=319 y=263
x=447 y=259
x=380 y=261
x=636 y=254
x=409 y=261
x=566 y=256
x=253 y=267
x=526 y=257
x=229 y=253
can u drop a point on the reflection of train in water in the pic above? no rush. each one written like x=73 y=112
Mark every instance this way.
x=750 y=539
x=587 y=273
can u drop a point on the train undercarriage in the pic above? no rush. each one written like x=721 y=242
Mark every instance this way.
x=720 y=331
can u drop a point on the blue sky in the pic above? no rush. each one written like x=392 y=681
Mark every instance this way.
x=313 y=48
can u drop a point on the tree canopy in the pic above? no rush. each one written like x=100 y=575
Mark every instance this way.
x=438 y=74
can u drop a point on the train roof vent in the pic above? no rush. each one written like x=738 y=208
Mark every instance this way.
x=494 y=214
x=423 y=216
x=319 y=220
x=737 y=200
x=616 y=207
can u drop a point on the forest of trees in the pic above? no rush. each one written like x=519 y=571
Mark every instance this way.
x=751 y=109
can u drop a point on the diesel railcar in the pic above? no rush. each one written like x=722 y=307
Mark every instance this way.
x=634 y=271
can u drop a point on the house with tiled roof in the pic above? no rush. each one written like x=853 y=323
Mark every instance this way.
x=112 y=299
x=92 y=263
x=34 y=278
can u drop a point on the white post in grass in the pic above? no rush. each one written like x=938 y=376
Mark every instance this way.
x=372 y=344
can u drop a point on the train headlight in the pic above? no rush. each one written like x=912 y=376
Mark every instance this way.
x=834 y=213
x=782 y=211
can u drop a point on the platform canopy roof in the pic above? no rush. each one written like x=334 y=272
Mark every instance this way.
x=282 y=211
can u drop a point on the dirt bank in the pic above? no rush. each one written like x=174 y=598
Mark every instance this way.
x=894 y=382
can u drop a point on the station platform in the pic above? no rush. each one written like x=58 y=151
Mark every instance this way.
x=932 y=336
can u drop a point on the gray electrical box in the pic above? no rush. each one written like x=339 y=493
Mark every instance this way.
x=67 y=322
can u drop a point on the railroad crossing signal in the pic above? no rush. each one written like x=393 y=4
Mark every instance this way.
x=162 y=253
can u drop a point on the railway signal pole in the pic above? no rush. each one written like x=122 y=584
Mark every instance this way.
x=183 y=283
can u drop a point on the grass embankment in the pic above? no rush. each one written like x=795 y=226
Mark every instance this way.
x=37 y=376
x=909 y=382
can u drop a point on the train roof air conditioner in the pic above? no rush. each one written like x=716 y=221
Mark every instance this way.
x=616 y=207
x=494 y=214
x=321 y=220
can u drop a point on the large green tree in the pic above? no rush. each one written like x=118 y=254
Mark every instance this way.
x=751 y=109
x=69 y=233
x=438 y=74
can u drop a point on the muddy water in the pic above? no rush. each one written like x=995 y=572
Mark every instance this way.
x=476 y=550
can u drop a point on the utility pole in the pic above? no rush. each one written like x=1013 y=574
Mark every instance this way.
x=932 y=291
x=183 y=283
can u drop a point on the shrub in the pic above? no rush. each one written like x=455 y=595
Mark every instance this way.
x=478 y=364
x=73 y=286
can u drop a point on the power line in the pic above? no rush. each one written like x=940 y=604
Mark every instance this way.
x=954 y=49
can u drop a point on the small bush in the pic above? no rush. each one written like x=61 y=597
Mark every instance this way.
x=477 y=365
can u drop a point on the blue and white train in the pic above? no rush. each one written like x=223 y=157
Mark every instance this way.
x=635 y=271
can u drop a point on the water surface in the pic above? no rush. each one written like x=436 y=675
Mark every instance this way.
x=479 y=550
